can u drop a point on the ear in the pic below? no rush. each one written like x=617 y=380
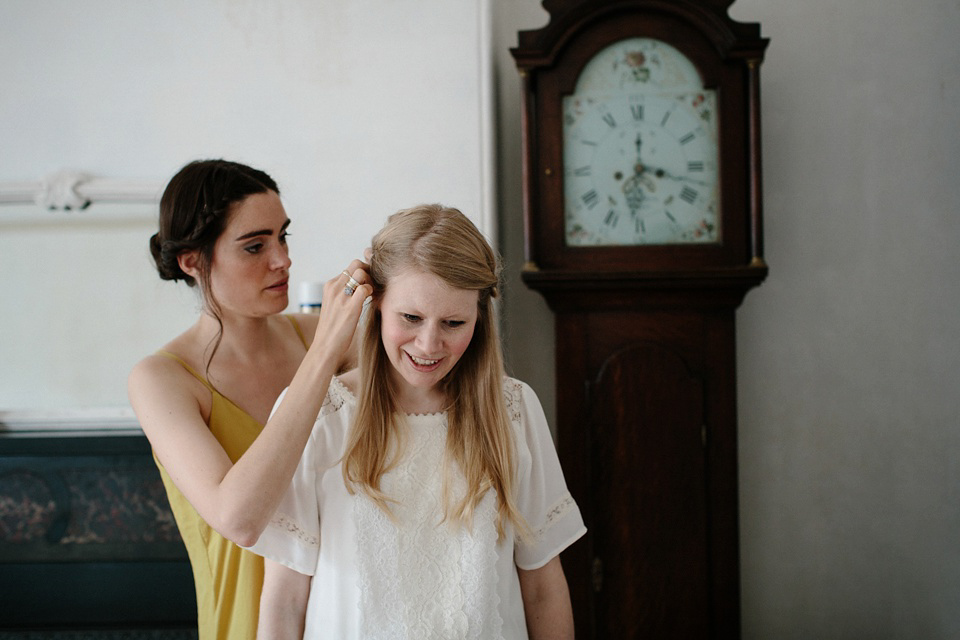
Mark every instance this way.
x=189 y=262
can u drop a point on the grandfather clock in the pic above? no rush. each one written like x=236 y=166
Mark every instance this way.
x=643 y=231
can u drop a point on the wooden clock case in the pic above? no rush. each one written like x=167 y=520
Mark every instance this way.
x=645 y=337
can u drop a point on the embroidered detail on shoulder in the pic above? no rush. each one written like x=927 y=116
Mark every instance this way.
x=513 y=397
x=284 y=523
x=336 y=397
x=560 y=508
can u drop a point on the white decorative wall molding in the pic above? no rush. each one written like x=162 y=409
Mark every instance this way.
x=69 y=190
x=88 y=421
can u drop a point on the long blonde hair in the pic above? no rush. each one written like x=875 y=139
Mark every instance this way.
x=441 y=241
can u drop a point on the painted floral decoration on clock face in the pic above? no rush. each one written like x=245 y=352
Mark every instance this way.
x=640 y=150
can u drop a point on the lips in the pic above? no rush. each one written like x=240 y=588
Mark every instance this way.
x=423 y=364
x=279 y=286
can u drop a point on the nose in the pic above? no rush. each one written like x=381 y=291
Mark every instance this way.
x=429 y=339
x=280 y=258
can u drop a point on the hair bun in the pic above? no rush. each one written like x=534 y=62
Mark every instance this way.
x=165 y=255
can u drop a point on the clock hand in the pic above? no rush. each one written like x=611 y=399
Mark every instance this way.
x=638 y=167
x=657 y=172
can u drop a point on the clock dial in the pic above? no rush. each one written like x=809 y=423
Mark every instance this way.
x=640 y=150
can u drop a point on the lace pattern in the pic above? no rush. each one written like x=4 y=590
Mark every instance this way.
x=421 y=577
x=559 y=509
x=513 y=396
x=284 y=523
x=335 y=398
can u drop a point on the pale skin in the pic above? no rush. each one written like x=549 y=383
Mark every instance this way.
x=260 y=354
x=426 y=328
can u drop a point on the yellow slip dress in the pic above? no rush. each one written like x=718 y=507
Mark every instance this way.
x=227 y=578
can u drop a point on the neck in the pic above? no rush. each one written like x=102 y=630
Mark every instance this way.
x=413 y=400
x=242 y=337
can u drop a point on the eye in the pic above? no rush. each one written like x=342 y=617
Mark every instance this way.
x=453 y=324
x=411 y=318
x=283 y=237
x=253 y=248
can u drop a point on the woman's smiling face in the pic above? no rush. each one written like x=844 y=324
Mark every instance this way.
x=426 y=327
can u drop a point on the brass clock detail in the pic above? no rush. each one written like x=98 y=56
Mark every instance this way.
x=640 y=149
x=643 y=232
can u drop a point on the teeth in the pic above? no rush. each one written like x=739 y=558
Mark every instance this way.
x=422 y=362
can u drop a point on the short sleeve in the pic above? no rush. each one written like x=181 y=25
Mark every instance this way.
x=551 y=513
x=292 y=538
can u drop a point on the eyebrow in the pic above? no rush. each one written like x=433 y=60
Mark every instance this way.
x=262 y=232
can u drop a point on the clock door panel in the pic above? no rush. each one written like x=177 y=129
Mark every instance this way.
x=649 y=492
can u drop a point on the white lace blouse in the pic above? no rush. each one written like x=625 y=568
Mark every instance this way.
x=417 y=577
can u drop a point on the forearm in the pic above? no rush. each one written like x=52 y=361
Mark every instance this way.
x=252 y=488
x=283 y=603
x=546 y=602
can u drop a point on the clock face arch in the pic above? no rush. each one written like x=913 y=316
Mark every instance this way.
x=640 y=150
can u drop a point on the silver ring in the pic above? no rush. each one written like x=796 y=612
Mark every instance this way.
x=351 y=286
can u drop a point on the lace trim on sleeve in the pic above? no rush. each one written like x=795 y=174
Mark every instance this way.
x=556 y=513
x=284 y=523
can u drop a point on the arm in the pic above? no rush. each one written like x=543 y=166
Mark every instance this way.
x=283 y=603
x=546 y=602
x=238 y=499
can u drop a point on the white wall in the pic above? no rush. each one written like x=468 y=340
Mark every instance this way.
x=849 y=355
x=356 y=108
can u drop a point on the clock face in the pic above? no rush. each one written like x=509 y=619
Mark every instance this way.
x=640 y=150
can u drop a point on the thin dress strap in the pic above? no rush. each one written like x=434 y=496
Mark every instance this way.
x=196 y=375
x=296 y=325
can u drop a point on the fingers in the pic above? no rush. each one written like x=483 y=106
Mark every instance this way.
x=348 y=282
x=355 y=275
x=357 y=265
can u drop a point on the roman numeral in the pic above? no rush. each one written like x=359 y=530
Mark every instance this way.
x=687 y=138
x=670 y=215
x=609 y=120
x=582 y=172
x=611 y=219
x=666 y=117
x=590 y=198
x=695 y=165
x=688 y=195
x=637 y=111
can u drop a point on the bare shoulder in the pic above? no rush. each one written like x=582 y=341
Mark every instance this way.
x=158 y=376
x=166 y=365
x=155 y=369
x=160 y=386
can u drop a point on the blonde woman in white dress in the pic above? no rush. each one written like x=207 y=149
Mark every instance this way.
x=429 y=502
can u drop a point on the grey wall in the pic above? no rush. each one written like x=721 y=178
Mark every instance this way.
x=849 y=356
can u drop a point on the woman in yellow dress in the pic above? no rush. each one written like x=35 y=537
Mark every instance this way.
x=204 y=399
